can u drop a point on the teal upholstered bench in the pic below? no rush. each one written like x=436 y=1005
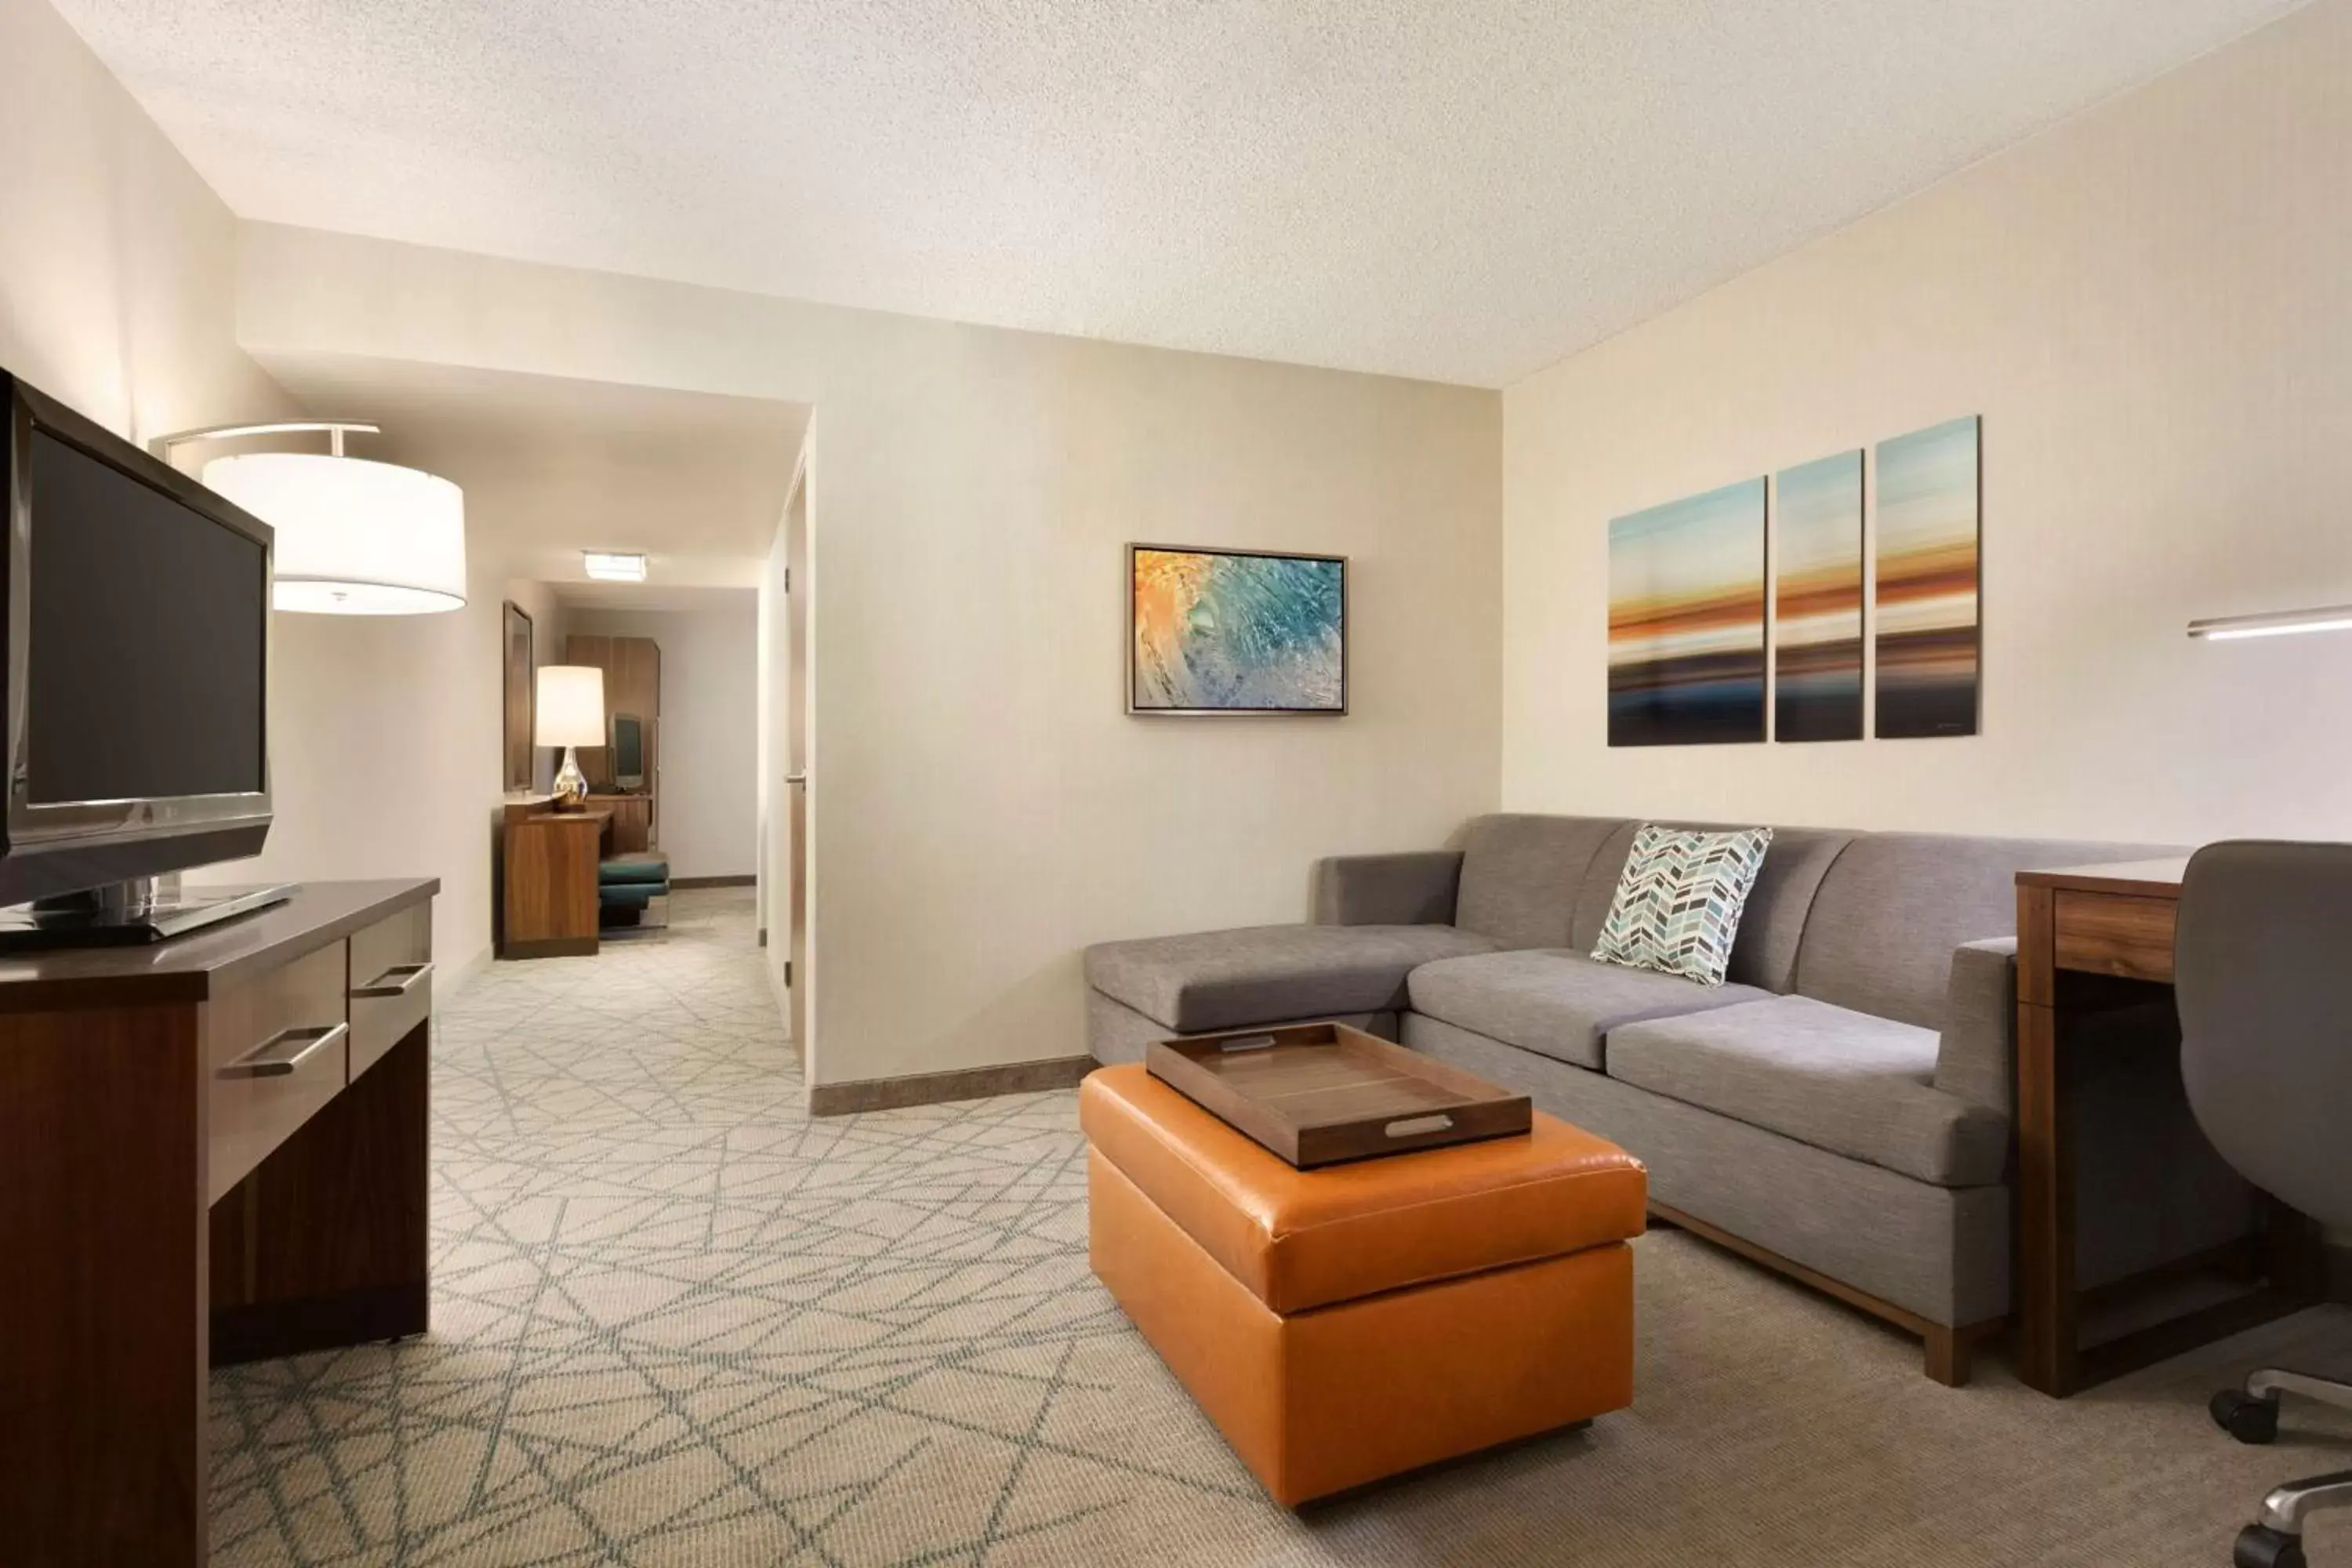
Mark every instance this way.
x=626 y=887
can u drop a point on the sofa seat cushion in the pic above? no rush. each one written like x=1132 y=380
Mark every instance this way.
x=1848 y=1082
x=1557 y=1003
x=1268 y=974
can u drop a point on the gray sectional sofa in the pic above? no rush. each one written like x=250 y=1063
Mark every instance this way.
x=1839 y=1109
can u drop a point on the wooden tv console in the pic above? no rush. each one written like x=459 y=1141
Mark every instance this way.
x=212 y=1150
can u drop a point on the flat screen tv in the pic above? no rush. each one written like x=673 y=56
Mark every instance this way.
x=136 y=616
x=628 y=752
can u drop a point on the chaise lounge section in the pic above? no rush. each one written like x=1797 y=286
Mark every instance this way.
x=1839 y=1108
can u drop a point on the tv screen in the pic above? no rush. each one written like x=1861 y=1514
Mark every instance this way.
x=146 y=660
x=628 y=751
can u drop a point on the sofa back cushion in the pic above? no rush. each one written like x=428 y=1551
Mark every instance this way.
x=1765 y=956
x=1893 y=906
x=1521 y=875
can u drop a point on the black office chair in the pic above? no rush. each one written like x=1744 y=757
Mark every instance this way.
x=2263 y=971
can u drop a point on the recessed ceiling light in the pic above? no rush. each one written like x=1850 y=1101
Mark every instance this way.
x=614 y=568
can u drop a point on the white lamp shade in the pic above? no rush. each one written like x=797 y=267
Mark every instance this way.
x=570 y=705
x=354 y=538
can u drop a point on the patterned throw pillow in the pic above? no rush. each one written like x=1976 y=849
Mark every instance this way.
x=1677 y=905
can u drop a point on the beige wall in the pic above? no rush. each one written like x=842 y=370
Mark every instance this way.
x=708 y=751
x=386 y=756
x=117 y=263
x=982 y=809
x=2151 y=306
x=118 y=295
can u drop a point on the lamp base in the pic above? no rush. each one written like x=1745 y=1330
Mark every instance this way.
x=570 y=784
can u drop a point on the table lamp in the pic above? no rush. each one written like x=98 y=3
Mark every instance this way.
x=570 y=713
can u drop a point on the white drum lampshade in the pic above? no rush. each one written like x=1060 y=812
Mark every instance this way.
x=570 y=709
x=570 y=705
x=354 y=538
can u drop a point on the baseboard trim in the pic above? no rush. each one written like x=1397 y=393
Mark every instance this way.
x=931 y=1087
x=552 y=947
x=448 y=982
x=746 y=880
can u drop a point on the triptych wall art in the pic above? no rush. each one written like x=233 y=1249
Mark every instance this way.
x=1686 y=621
x=1929 y=636
x=1817 y=602
x=1688 y=581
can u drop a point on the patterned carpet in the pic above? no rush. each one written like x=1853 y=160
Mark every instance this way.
x=677 y=1322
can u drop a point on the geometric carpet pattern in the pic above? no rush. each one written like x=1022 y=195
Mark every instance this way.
x=678 y=1324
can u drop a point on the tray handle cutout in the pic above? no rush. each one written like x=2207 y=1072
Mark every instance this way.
x=1416 y=1124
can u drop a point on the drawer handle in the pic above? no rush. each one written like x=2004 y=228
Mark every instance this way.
x=397 y=981
x=286 y=1051
x=1412 y=1124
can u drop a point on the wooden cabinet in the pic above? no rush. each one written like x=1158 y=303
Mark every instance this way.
x=191 y=1176
x=632 y=822
x=548 y=864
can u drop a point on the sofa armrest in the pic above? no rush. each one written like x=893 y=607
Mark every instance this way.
x=1976 y=1060
x=1409 y=889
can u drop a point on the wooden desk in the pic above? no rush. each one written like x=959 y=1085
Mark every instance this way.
x=549 y=860
x=633 y=821
x=164 y=1207
x=2091 y=937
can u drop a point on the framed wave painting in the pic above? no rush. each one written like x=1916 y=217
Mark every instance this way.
x=1235 y=631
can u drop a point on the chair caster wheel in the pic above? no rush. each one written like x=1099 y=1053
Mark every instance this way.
x=2245 y=1417
x=2262 y=1547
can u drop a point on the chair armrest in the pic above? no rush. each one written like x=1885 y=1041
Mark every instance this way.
x=1409 y=889
x=1976 y=1059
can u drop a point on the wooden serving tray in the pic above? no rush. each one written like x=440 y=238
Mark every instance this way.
x=1318 y=1094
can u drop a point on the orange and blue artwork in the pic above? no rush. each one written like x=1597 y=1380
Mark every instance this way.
x=1687 y=620
x=1221 y=631
x=1928 y=644
x=1816 y=600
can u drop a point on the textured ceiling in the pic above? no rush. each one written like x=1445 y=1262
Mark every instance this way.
x=551 y=467
x=1459 y=189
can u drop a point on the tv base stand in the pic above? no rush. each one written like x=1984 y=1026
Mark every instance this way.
x=126 y=915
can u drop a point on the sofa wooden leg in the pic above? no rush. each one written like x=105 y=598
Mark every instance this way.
x=1950 y=1352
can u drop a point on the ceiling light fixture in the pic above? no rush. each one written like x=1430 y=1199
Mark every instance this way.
x=2274 y=624
x=354 y=537
x=608 y=568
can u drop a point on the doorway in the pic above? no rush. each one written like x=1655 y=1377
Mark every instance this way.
x=799 y=788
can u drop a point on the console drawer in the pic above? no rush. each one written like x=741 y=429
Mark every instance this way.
x=392 y=982
x=2105 y=933
x=275 y=1050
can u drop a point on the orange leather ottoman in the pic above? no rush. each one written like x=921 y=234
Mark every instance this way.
x=1352 y=1322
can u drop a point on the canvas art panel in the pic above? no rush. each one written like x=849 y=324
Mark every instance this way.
x=1687 y=620
x=1227 y=631
x=1816 y=600
x=1927 y=611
